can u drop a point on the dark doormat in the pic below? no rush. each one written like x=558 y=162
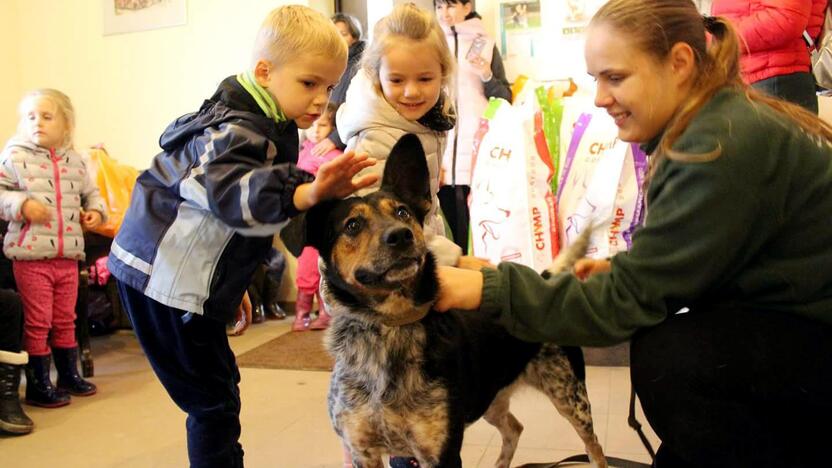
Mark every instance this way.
x=305 y=351
x=292 y=350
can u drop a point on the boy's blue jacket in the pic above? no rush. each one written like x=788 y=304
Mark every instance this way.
x=203 y=216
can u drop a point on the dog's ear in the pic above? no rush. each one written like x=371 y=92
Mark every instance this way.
x=307 y=228
x=406 y=174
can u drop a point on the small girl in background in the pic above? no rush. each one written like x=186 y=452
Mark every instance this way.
x=403 y=88
x=308 y=276
x=48 y=196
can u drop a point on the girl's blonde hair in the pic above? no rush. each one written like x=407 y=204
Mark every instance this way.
x=294 y=30
x=64 y=107
x=407 y=21
x=656 y=25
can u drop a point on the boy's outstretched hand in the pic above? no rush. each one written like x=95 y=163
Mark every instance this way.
x=458 y=289
x=335 y=180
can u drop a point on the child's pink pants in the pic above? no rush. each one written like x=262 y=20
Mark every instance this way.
x=48 y=289
x=308 y=276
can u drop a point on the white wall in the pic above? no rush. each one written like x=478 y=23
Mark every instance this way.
x=126 y=88
x=10 y=87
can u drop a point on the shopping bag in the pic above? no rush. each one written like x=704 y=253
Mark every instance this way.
x=512 y=206
x=601 y=186
x=115 y=182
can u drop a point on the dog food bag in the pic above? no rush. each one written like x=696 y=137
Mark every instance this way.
x=600 y=185
x=512 y=205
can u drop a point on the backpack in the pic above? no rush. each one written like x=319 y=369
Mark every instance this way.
x=822 y=52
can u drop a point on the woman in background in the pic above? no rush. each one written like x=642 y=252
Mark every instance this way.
x=775 y=57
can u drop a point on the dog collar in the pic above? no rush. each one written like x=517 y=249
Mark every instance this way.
x=414 y=315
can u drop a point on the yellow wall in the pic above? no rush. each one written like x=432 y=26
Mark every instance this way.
x=126 y=88
x=10 y=77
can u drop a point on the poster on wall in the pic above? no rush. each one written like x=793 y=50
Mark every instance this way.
x=545 y=40
x=124 y=16
x=519 y=34
x=576 y=18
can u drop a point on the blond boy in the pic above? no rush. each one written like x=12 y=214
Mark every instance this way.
x=204 y=214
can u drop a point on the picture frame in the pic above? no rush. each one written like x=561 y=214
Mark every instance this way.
x=126 y=16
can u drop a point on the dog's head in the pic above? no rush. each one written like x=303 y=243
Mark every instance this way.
x=373 y=249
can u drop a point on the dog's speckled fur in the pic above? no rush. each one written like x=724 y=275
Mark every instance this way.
x=408 y=380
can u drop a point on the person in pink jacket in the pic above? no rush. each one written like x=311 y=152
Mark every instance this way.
x=308 y=277
x=776 y=58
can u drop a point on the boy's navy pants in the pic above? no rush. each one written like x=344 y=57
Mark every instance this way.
x=191 y=356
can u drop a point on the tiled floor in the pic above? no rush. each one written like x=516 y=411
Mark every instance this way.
x=132 y=423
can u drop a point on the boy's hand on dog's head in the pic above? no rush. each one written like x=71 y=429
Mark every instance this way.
x=335 y=180
x=458 y=289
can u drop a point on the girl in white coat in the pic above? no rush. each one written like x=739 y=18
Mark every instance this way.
x=402 y=88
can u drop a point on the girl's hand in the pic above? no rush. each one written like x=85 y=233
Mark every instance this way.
x=586 y=267
x=242 y=319
x=90 y=219
x=470 y=262
x=334 y=180
x=323 y=147
x=458 y=289
x=35 y=212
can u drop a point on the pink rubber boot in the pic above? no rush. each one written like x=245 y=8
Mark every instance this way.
x=322 y=322
x=303 y=307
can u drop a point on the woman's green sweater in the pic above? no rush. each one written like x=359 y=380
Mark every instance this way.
x=750 y=229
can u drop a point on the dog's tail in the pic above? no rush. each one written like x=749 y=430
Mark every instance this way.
x=571 y=254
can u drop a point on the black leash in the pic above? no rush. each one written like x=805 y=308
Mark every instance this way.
x=633 y=422
x=613 y=461
x=584 y=459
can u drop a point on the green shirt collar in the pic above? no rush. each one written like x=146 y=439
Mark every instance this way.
x=262 y=96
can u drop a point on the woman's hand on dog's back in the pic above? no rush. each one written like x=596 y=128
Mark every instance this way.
x=458 y=289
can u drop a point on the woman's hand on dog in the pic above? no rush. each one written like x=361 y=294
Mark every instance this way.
x=335 y=180
x=458 y=289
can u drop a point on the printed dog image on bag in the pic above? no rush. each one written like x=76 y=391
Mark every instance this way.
x=407 y=380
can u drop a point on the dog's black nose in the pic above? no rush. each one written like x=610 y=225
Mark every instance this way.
x=398 y=237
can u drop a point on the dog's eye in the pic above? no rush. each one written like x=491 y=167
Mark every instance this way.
x=402 y=212
x=353 y=226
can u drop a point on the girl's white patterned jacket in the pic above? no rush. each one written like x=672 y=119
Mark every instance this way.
x=57 y=178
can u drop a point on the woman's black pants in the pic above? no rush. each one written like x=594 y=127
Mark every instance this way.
x=736 y=388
